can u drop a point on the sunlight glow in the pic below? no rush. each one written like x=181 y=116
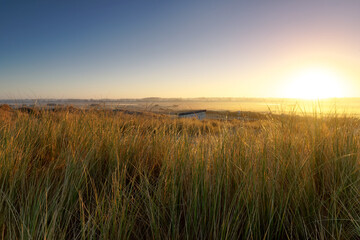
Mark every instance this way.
x=314 y=83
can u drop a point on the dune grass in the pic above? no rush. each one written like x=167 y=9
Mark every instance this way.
x=100 y=175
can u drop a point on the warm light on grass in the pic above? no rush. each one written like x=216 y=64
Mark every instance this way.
x=315 y=83
x=100 y=175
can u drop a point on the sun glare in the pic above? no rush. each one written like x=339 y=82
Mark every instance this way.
x=314 y=83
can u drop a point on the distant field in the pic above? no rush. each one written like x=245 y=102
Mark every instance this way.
x=110 y=175
x=348 y=105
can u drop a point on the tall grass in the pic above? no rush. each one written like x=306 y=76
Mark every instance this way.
x=98 y=175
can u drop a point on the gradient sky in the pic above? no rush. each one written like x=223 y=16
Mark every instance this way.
x=135 y=49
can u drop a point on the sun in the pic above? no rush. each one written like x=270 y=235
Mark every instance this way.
x=314 y=83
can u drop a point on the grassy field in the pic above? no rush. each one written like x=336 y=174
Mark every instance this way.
x=104 y=175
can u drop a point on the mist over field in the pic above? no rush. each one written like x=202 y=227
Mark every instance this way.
x=169 y=105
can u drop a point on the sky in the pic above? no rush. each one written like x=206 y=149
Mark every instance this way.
x=136 y=49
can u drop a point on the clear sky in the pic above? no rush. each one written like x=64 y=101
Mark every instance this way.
x=135 y=49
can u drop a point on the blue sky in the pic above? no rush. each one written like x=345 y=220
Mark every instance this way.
x=118 y=49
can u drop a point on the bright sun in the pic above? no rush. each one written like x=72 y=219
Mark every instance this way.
x=314 y=83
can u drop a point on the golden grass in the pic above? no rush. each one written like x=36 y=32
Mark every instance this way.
x=98 y=174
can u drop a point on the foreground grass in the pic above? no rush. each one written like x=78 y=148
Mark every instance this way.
x=114 y=176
